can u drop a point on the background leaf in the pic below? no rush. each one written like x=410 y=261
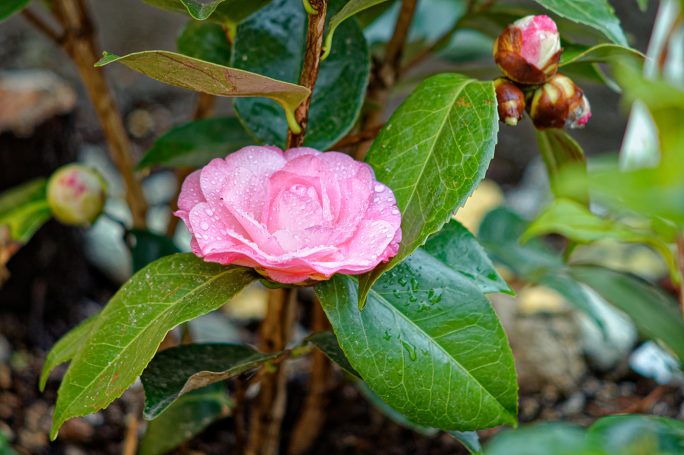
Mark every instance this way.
x=126 y=334
x=558 y=438
x=560 y=151
x=327 y=343
x=638 y=434
x=24 y=209
x=432 y=153
x=272 y=43
x=204 y=41
x=348 y=10
x=598 y=14
x=184 y=419
x=221 y=11
x=190 y=73
x=195 y=143
x=10 y=7
x=146 y=247
x=176 y=371
x=428 y=343
x=456 y=247
x=654 y=312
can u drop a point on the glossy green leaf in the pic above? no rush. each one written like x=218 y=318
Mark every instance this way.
x=195 y=143
x=327 y=343
x=272 y=43
x=66 y=348
x=187 y=72
x=185 y=419
x=599 y=53
x=204 y=41
x=577 y=223
x=559 y=150
x=350 y=9
x=428 y=343
x=24 y=209
x=432 y=153
x=557 y=438
x=469 y=439
x=176 y=371
x=222 y=11
x=654 y=312
x=598 y=14
x=457 y=248
x=638 y=434
x=128 y=331
x=500 y=233
x=146 y=247
x=10 y=7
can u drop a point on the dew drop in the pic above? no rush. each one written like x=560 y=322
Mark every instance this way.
x=379 y=188
x=204 y=225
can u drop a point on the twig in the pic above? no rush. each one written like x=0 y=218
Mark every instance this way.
x=130 y=443
x=311 y=420
x=269 y=409
x=41 y=25
x=357 y=138
x=387 y=73
x=203 y=108
x=309 y=74
x=79 y=42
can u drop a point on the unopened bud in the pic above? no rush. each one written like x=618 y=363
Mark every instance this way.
x=528 y=51
x=76 y=194
x=559 y=103
x=511 y=101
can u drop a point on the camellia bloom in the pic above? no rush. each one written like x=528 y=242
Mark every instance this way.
x=76 y=194
x=510 y=100
x=559 y=103
x=528 y=51
x=294 y=216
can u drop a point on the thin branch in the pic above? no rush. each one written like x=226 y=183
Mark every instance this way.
x=79 y=43
x=680 y=265
x=42 y=26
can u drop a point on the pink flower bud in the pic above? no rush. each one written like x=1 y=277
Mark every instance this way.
x=528 y=51
x=76 y=194
x=510 y=100
x=559 y=103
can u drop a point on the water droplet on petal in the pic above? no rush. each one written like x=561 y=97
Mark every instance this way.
x=204 y=225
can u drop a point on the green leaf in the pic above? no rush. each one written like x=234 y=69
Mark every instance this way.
x=578 y=224
x=272 y=43
x=126 y=334
x=458 y=249
x=66 y=348
x=350 y=9
x=598 y=14
x=654 y=312
x=638 y=434
x=469 y=439
x=559 y=151
x=428 y=343
x=10 y=7
x=185 y=419
x=204 y=41
x=500 y=233
x=24 y=209
x=221 y=11
x=557 y=438
x=599 y=53
x=187 y=72
x=643 y=5
x=432 y=153
x=176 y=371
x=327 y=343
x=147 y=247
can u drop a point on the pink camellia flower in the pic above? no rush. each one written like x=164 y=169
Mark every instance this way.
x=294 y=216
x=528 y=51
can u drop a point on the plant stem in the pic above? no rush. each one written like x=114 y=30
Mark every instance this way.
x=268 y=411
x=41 y=25
x=309 y=74
x=204 y=107
x=386 y=74
x=312 y=418
x=680 y=264
x=79 y=43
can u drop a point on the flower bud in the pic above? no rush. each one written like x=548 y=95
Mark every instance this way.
x=559 y=103
x=528 y=51
x=511 y=101
x=76 y=194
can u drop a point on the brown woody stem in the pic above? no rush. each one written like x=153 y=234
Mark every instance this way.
x=386 y=74
x=79 y=43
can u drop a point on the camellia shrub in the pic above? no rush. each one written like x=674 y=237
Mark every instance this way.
x=308 y=186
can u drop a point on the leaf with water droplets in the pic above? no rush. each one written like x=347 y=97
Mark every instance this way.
x=428 y=343
x=432 y=153
x=176 y=371
x=125 y=336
